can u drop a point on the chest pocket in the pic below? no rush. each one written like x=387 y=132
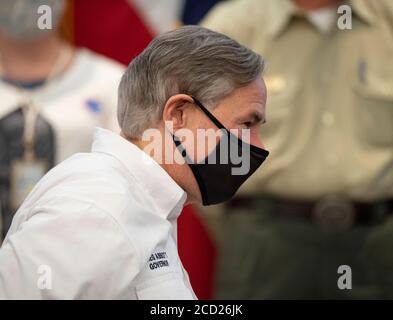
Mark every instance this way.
x=283 y=94
x=374 y=105
x=170 y=286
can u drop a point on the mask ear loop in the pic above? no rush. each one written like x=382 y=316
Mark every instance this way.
x=265 y=153
x=181 y=149
x=218 y=124
x=209 y=115
x=201 y=184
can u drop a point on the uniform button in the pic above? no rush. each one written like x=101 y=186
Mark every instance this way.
x=328 y=119
x=275 y=83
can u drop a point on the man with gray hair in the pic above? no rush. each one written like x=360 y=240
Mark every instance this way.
x=103 y=224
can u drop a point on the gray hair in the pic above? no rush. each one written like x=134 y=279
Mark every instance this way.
x=190 y=60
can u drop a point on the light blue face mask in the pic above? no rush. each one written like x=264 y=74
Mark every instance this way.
x=19 y=18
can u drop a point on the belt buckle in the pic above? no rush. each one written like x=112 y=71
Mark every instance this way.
x=334 y=211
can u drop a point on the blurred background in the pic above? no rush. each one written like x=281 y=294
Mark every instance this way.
x=322 y=201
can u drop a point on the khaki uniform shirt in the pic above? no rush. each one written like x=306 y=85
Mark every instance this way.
x=330 y=98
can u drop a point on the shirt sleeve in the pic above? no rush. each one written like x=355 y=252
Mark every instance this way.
x=80 y=253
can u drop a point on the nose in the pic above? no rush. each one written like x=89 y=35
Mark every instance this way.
x=256 y=140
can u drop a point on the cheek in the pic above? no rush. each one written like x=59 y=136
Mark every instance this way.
x=255 y=138
x=202 y=138
x=197 y=120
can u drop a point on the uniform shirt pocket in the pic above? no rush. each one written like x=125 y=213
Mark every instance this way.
x=374 y=106
x=283 y=98
x=170 y=286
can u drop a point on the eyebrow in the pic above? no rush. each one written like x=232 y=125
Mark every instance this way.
x=257 y=117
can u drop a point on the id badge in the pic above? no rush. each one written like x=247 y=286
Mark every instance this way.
x=24 y=176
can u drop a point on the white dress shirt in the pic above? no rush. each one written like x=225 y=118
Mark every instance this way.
x=100 y=225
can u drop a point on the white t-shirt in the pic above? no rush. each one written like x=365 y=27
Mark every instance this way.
x=324 y=19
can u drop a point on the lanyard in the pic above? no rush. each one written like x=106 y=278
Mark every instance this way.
x=29 y=99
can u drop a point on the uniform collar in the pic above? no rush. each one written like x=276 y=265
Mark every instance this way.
x=362 y=10
x=164 y=192
x=282 y=11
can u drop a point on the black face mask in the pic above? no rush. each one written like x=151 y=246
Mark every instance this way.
x=215 y=174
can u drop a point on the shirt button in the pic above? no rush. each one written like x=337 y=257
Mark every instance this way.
x=328 y=119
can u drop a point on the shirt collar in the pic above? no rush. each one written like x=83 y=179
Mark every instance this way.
x=362 y=10
x=283 y=11
x=165 y=193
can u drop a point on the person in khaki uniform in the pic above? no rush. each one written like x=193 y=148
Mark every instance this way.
x=324 y=198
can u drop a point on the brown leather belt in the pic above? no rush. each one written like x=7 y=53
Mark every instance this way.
x=329 y=211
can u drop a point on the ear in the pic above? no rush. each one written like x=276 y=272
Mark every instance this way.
x=174 y=110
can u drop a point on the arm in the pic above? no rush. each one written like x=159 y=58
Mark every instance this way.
x=82 y=254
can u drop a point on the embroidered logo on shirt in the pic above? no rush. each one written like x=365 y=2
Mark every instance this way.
x=158 y=260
